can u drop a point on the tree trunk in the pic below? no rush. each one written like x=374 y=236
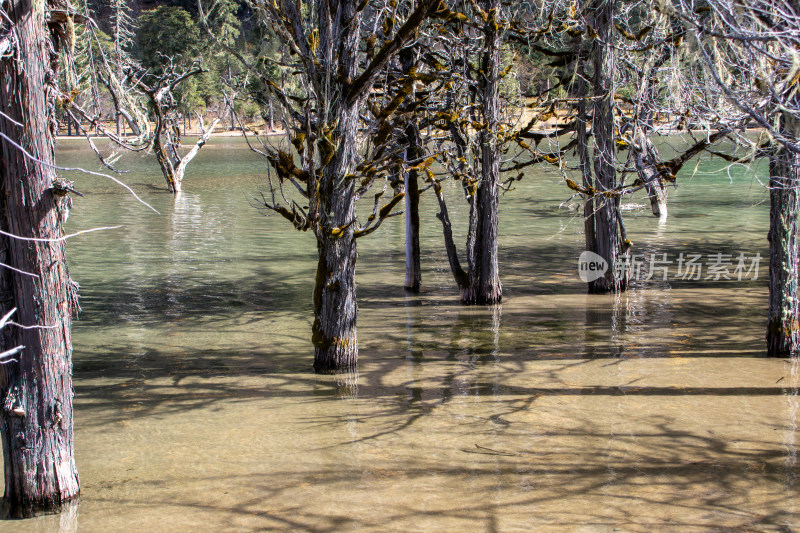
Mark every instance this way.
x=335 y=307
x=606 y=236
x=270 y=116
x=645 y=155
x=36 y=412
x=413 y=143
x=484 y=274
x=585 y=164
x=646 y=159
x=164 y=158
x=413 y=265
x=783 y=326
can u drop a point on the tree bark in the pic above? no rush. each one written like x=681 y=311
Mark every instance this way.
x=484 y=273
x=163 y=153
x=334 y=332
x=783 y=326
x=335 y=307
x=606 y=237
x=585 y=164
x=413 y=264
x=36 y=391
x=413 y=142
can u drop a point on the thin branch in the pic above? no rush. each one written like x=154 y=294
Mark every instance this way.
x=19 y=272
x=57 y=239
x=77 y=169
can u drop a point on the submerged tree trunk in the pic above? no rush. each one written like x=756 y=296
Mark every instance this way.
x=606 y=233
x=166 y=144
x=412 y=138
x=413 y=153
x=36 y=390
x=335 y=308
x=645 y=154
x=783 y=326
x=480 y=282
x=413 y=264
x=584 y=163
x=484 y=274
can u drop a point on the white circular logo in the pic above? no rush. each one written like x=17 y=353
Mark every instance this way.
x=591 y=266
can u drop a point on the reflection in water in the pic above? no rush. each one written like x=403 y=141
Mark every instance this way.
x=790 y=439
x=64 y=520
x=195 y=405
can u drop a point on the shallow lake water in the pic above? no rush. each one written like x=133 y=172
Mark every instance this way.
x=196 y=407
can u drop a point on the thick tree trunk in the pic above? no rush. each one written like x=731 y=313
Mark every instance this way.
x=783 y=326
x=36 y=409
x=335 y=307
x=484 y=273
x=606 y=235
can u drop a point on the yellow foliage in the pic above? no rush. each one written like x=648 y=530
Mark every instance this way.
x=313 y=40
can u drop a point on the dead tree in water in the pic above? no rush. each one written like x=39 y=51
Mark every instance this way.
x=36 y=385
x=649 y=42
x=166 y=139
x=581 y=44
x=477 y=136
x=594 y=52
x=747 y=57
x=342 y=134
x=132 y=90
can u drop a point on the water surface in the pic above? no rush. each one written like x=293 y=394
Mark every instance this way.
x=196 y=408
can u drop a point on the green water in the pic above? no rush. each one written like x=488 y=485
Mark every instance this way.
x=196 y=408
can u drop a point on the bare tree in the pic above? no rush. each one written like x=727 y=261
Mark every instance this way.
x=748 y=64
x=166 y=139
x=342 y=132
x=481 y=133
